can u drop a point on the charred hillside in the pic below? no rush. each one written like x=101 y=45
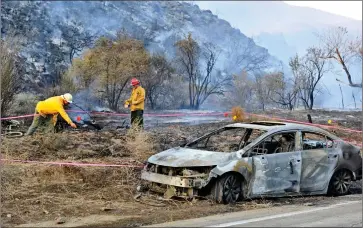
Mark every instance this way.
x=52 y=33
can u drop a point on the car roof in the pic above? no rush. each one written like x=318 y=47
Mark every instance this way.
x=272 y=126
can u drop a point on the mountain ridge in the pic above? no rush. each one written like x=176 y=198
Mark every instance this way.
x=158 y=24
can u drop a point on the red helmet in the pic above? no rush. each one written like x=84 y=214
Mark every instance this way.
x=134 y=82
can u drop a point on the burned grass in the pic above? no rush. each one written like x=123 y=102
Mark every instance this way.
x=44 y=193
x=31 y=192
x=34 y=193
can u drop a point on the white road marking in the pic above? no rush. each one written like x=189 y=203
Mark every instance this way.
x=241 y=222
x=352 y=196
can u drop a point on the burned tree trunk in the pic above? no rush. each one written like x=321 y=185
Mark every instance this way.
x=342 y=62
x=341 y=92
x=309 y=118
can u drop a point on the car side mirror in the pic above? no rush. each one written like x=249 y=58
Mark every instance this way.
x=329 y=144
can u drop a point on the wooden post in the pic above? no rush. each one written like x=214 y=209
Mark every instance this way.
x=309 y=118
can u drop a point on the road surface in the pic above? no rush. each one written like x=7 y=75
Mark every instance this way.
x=339 y=212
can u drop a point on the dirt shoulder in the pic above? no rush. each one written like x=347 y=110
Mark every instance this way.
x=41 y=195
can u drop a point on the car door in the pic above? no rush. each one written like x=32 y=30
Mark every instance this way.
x=319 y=160
x=276 y=173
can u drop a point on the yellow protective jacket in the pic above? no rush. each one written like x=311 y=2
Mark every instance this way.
x=137 y=99
x=53 y=106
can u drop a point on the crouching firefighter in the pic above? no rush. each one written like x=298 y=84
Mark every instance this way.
x=136 y=103
x=46 y=113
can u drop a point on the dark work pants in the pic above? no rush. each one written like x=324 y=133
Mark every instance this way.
x=137 y=118
x=45 y=124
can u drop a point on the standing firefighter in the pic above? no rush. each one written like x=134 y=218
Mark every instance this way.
x=137 y=103
x=46 y=113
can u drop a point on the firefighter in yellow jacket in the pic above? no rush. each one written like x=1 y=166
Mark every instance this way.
x=46 y=113
x=136 y=103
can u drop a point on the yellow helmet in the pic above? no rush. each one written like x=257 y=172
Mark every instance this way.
x=68 y=97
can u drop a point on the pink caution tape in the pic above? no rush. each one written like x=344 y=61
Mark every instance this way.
x=17 y=117
x=353 y=143
x=73 y=163
x=126 y=115
x=306 y=123
x=198 y=114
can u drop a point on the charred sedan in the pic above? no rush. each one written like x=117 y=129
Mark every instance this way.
x=256 y=159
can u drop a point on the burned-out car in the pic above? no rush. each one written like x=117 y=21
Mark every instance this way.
x=248 y=160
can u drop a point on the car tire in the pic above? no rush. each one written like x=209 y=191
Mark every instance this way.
x=340 y=183
x=227 y=189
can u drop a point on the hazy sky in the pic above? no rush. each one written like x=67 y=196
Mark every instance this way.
x=351 y=9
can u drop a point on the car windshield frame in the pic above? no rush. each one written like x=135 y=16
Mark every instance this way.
x=247 y=132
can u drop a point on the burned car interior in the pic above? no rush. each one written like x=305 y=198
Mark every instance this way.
x=312 y=140
x=231 y=139
x=278 y=143
x=228 y=139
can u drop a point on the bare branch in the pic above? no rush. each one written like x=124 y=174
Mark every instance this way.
x=198 y=63
x=245 y=56
x=339 y=47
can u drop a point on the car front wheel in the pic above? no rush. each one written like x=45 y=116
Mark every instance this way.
x=340 y=183
x=227 y=189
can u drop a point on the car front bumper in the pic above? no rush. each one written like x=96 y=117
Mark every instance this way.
x=195 y=181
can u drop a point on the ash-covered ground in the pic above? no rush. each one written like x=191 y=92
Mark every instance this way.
x=43 y=195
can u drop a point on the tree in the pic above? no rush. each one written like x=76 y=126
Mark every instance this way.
x=188 y=54
x=158 y=75
x=113 y=63
x=263 y=89
x=74 y=37
x=284 y=91
x=198 y=64
x=11 y=71
x=85 y=68
x=340 y=48
x=246 y=56
x=309 y=70
x=242 y=90
x=54 y=61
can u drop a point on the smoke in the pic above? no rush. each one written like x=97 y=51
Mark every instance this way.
x=85 y=101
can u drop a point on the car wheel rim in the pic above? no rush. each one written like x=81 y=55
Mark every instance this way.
x=232 y=189
x=342 y=182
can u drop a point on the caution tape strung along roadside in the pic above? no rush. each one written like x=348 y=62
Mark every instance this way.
x=198 y=114
x=353 y=143
x=123 y=114
x=72 y=163
x=306 y=123
x=17 y=117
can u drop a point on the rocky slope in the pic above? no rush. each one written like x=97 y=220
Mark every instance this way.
x=52 y=27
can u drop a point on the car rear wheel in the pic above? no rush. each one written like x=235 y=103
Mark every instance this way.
x=340 y=183
x=227 y=189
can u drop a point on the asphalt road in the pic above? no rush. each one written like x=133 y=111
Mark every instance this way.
x=340 y=212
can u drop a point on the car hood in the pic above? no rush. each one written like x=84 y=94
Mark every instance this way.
x=185 y=157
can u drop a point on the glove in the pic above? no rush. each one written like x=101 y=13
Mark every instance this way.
x=73 y=125
x=126 y=106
